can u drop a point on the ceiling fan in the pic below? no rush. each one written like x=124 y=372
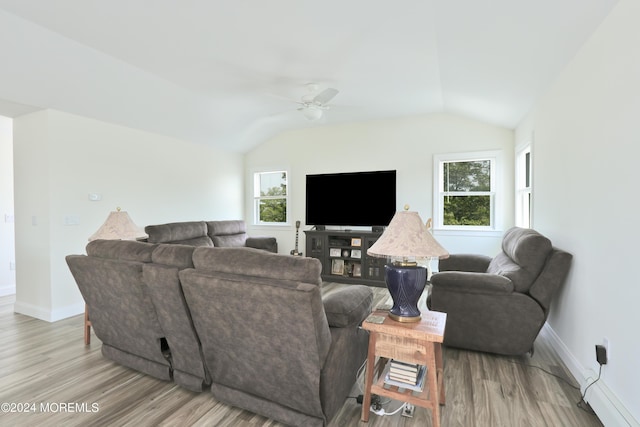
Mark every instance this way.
x=314 y=103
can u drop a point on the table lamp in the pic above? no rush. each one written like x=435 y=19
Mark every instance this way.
x=404 y=241
x=119 y=226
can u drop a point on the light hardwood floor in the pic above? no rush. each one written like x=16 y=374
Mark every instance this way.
x=48 y=364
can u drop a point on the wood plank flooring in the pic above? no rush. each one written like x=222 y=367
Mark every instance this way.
x=48 y=364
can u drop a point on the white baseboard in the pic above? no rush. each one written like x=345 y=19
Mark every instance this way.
x=46 y=314
x=7 y=290
x=602 y=400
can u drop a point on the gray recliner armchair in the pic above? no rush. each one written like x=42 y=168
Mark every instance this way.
x=499 y=304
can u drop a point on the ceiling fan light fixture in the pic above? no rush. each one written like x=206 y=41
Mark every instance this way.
x=311 y=113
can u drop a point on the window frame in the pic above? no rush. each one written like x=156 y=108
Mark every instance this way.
x=523 y=192
x=495 y=192
x=257 y=198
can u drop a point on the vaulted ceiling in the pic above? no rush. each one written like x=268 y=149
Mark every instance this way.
x=229 y=73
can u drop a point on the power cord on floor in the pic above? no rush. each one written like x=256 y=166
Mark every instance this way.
x=581 y=404
x=546 y=372
x=360 y=386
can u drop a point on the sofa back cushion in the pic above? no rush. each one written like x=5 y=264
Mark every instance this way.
x=258 y=263
x=122 y=312
x=179 y=256
x=524 y=253
x=551 y=278
x=193 y=233
x=262 y=336
x=163 y=285
x=227 y=233
x=126 y=250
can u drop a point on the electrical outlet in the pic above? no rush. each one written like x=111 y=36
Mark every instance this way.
x=607 y=347
x=408 y=409
x=71 y=220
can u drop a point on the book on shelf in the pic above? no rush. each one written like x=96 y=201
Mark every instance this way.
x=411 y=379
x=416 y=384
x=402 y=367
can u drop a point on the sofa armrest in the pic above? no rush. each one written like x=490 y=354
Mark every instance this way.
x=265 y=243
x=479 y=283
x=465 y=262
x=348 y=306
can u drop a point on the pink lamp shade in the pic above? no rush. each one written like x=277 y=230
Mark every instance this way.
x=407 y=237
x=119 y=226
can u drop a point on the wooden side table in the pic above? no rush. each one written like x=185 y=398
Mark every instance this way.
x=420 y=343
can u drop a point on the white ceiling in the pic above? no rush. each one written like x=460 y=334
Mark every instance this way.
x=220 y=72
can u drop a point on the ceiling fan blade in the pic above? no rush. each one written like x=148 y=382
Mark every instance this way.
x=325 y=96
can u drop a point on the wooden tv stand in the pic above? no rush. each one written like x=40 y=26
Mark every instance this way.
x=344 y=256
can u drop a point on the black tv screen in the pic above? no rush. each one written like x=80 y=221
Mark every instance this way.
x=356 y=198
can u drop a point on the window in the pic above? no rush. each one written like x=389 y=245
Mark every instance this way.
x=270 y=197
x=523 y=187
x=465 y=194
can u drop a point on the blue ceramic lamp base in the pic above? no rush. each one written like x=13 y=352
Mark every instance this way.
x=405 y=284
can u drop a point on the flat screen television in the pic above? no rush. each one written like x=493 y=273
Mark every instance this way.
x=351 y=199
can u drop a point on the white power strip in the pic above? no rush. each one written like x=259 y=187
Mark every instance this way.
x=382 y=412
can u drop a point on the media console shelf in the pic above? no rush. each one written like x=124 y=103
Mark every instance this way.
x=344 y=256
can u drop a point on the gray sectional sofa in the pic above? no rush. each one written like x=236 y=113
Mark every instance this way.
x=251 y=326
x=220 y=234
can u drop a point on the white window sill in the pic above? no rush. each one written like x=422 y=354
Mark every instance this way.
x=468 y=233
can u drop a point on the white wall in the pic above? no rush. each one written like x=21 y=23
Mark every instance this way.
x=7 y=245
x=585 y=174
x=406 y=144
x=61 y=158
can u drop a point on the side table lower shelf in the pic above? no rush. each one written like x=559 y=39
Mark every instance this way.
x=416 y=398
x=418 y=343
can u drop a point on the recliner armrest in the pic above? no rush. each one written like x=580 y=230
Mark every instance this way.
x=469 y=282
x=465 y=262
x=348 y=306
x=266 y=243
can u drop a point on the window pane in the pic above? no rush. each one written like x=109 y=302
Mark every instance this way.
x=273 y=210
x=527 y=170
x=270 y=193
x=467 y=210
x=273 y=184
x=467 y=176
